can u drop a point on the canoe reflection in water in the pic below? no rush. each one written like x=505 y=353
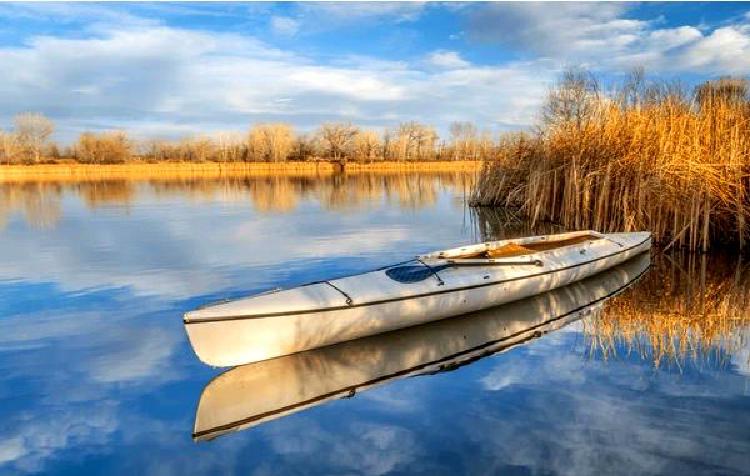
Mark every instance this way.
x=252 y=394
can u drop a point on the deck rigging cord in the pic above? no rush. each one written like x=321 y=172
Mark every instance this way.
x=349 y=300
x=433 y=271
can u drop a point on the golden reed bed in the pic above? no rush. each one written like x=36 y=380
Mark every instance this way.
x=180 y=170
x=670 y=162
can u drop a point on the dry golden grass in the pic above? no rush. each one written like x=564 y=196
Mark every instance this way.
x=691 y=310
x=671 y=165
x=209 y=170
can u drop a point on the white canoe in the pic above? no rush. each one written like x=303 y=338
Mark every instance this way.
x=433 y=286
x=252 y=394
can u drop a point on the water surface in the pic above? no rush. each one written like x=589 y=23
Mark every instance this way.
x=97 y=376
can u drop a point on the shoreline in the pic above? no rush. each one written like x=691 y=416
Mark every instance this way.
x=183 y=170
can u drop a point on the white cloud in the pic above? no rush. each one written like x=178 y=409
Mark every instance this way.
x=366 y=448
x=36 y=439
x=725 y=49
x=308 y=18
x=674 y=37
x=372 y=11
x=92 y=15
x=72 y=406
x=551 y=28
x=128 y=72
x=602 y=424
x=603 y=38
x=11 y=449
x=447 y=59
x=157 y=80
x=284 y=25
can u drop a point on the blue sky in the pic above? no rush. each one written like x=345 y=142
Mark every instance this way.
x=174 y=69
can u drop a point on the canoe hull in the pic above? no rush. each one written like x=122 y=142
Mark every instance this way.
x=242 y=339
x=252 y=394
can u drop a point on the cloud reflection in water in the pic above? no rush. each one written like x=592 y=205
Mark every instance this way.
x=97 y=376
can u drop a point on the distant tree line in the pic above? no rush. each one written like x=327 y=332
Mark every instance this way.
x=28 y=142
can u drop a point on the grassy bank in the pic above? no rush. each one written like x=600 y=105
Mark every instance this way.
x=653 y=158
x=177 y=170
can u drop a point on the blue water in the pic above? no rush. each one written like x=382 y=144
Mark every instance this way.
x=97 y=375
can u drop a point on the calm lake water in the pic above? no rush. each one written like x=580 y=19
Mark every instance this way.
x=97 y=375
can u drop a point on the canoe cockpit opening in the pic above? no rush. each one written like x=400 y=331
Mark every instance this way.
x=414 y=273
x=511 y=249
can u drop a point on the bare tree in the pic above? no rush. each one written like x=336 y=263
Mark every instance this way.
x=203 y=148
x=366 y=144
x=485 y=145
x=281 y=140
x=725 y=89
x=633 y=92
x=415 y=140
x=387 y=144
x=155 y=150
x=104 y=148
x=574 y=100
x=228 y=146
x=256 y=143
x=337 y=138
x=9 y=147
x=272 y=142
x=464 y=138
x=33 y=130
x=303 y=148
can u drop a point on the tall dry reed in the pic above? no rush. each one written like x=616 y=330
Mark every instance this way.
x=674 y=164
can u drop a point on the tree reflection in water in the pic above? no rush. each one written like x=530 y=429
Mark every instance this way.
x=39 y=201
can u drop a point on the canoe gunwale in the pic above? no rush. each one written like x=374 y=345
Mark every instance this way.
x=458 y=253
x=414 y=296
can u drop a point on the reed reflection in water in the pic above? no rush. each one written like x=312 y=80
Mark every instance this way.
x=691 y=310
x=689 y=307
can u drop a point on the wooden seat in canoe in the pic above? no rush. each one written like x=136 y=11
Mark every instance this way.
x=514 y=249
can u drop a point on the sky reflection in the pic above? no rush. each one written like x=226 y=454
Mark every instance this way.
x=97 y=376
